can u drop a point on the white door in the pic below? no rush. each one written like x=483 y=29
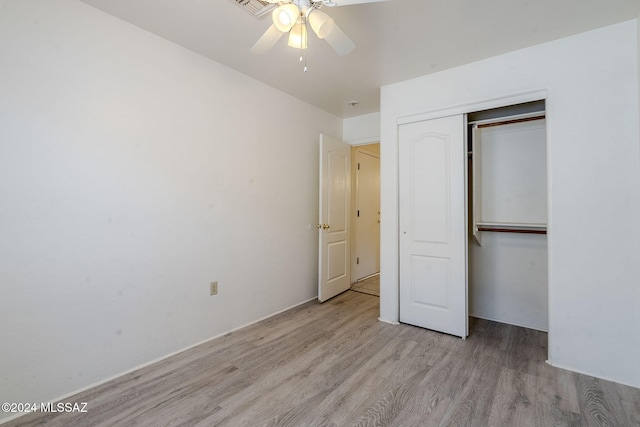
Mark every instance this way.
x=334 y=269
x=433 y=226
x=367 y=215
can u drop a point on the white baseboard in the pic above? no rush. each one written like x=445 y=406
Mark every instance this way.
x=388 y=321
x=591 y=374
x=537 y=328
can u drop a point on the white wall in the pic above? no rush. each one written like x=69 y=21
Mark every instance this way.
x=364 y=129
x=508 y=279
x=132 y=173
x=591 y=81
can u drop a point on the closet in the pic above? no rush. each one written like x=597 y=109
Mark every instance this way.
x=472 y=193
x=507 y=248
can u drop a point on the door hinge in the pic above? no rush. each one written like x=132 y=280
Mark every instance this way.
x=358 y=213
x=358 y=260
x=358 y=166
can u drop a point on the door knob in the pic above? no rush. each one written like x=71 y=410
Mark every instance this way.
x=318 y=226
x=325 y=226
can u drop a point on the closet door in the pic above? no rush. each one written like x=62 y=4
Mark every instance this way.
x=433 y=231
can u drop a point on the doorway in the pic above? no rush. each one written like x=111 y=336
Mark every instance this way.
x=365 y=254
x=349 y=218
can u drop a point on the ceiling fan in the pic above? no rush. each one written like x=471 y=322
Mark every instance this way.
x=292 y=16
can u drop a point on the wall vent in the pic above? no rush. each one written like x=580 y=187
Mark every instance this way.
x=257 y=8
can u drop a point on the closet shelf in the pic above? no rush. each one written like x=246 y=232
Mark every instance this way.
x=512 y=228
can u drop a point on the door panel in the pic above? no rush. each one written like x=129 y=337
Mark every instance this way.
x=337 y=267
x=435 y=293
x=334 y=269
x=433 y=231
x=430 y=164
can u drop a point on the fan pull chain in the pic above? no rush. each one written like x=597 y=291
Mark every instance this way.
x=303 y=56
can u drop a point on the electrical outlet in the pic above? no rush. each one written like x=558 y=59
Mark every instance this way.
x=213 y=290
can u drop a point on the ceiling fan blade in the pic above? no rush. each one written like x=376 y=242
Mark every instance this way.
x=339 y=41
x=349 y=2
x=267 y=41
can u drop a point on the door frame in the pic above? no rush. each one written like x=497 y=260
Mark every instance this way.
x=390 y=271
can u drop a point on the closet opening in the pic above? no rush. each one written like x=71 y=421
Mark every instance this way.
x=507 y=200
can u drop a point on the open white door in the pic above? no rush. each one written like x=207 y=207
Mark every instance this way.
x=433 y=226
x=334 y=275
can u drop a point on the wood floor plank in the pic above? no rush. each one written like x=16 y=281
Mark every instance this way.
x=474 y=403
x=341 y=402
x=630 y=401
x=335 y=365
x=548 y=415
x=515 y=399
x=297 y=410
x=599 y=407
x=557 y=388
x=403 y=363
x=522 y=350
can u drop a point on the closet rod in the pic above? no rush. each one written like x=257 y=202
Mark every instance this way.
x=512 y=230
x=511 y=121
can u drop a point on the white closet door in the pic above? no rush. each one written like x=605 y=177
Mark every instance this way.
x=433 y=230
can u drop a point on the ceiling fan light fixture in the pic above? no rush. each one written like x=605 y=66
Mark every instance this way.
x=298 y=35
x=292 y=16
x=285 y=17
x=321 y=23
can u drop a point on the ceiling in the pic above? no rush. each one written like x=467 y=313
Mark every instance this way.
x=396 y=40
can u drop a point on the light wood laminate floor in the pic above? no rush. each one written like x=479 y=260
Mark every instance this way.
x=370 y=285
x=335 y=364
